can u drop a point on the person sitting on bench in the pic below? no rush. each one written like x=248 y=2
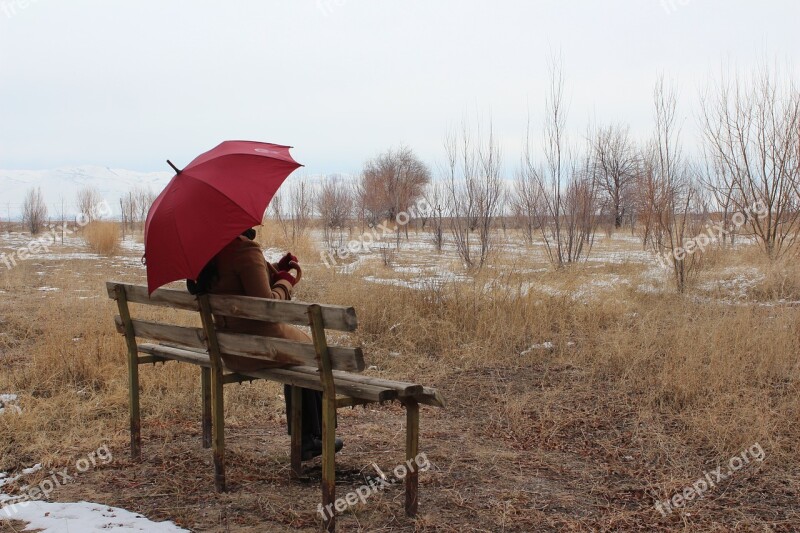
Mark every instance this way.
x=240 y=269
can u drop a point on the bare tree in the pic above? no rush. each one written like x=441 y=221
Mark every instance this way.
x=474 y=190
x=569 y=215
x=436 y=197
x=129 y=205
x=294 y=216
x=390 y=184
x=526 y=197
x=725 y=196
x=335 y=206
x=752 y=133
x=675 y=195
x=615 y=167
x=34 y=210
x=143 y=198
x=88 y=198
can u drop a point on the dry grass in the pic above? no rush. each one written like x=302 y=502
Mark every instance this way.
x=103 y=237
x=636 y=396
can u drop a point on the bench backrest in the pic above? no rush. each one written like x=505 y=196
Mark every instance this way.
x=216 y=343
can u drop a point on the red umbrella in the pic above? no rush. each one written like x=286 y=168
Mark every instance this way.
x=207 y=204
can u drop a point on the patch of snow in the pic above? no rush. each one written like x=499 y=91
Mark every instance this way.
x=51 y=517
x=7 y=403
x=47 y=289
x=546 y=345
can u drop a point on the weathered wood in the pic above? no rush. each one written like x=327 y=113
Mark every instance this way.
x=217 y=393
x=296 y=421
x=328 y=415
x=403 y=388
x=133 y=373
x=151 y=359
x=356 y=390
x=205 y=393
x=254 y=346
x=194 y=357
x=193 y=337
x=305 y=380
x=423 y=395
x=161 y=297
x=287 y=352
x=431 y=397
x=412 y=449
x=337 y=317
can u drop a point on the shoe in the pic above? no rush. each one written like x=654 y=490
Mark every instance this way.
x=312 y=447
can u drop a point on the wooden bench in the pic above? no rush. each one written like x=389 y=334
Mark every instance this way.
x=330 y=369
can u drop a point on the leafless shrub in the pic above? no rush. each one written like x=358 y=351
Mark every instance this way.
x=335 y=207
x=390 y=184
x=294 y=216
x=526 y=198
x=87 y=199
x=474 y=190
x=436 y=198
x=752 y=134
x=676 y=200
x=34 y=210
x=615 y=166
x=569 y=215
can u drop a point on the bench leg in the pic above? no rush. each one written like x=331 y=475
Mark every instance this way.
x=133 y=399
x=296 y=421
x=205 y=388
x=329 y=460
x=218 y=429
x=412 y=449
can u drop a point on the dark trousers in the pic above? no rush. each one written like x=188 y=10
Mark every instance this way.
x=312 y=411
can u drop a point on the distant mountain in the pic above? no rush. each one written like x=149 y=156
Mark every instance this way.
x=64 y=183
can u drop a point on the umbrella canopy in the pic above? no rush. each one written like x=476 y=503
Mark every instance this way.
x=208 y=204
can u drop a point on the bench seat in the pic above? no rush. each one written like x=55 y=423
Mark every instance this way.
x=356 y=387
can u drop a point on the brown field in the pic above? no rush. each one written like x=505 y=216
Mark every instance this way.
x=576 y=398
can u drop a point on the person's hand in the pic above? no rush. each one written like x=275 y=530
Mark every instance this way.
x=285 y=263
x=286 y=277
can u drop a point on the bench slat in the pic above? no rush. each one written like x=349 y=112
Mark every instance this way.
x=281 y=375
x=160 y=297
x=255 y=346
x=407 y=389
x=193 y=337
x=336 y=317
x=426 y=395
x=288 y=352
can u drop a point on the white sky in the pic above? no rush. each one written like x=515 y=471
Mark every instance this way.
x=130 y=84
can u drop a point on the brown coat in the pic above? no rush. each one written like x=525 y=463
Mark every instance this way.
x=243 y=271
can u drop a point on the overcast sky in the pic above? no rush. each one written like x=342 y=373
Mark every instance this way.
x=129 y=84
